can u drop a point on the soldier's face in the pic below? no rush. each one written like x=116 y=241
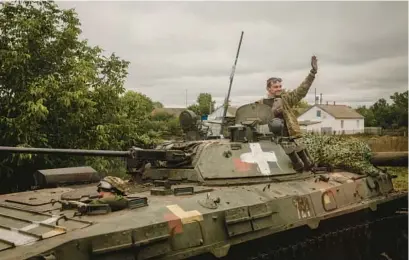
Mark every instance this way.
x=105 y=194
x=275 y=88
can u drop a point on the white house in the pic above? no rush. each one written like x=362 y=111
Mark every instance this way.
x=338 y=119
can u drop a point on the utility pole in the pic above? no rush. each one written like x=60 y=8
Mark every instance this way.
x=226 y=101
x=315 y=96
x=186 y=98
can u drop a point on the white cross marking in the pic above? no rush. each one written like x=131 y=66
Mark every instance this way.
x=259 y=157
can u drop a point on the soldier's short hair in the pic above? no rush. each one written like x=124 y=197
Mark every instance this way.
x=273 y=80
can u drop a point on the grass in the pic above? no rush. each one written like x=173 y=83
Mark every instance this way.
x=386 y=143
x=401 y=182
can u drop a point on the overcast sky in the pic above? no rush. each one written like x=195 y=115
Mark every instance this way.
x=362 y=47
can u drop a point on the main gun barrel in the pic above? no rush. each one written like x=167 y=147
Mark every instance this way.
x=390 y=158
x=107 y=153
x=133 y=153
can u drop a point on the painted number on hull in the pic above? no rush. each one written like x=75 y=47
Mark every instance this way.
x=303 y=207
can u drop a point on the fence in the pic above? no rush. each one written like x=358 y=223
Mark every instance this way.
x=367 y=131
x=381 y=131
x=333 y=132
x=373 y=130
x=395 y=132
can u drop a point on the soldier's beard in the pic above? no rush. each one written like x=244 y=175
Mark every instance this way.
x=277 y=93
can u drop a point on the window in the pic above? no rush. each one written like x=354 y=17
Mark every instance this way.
x=357 y=123
x=318 y=113
x=342 y=123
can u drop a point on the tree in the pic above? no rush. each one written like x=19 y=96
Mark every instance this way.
x=166 y=124
x=203 y=105
x=136 y=105
x=195 y=108
x=157 y=104
x=400 y=108
x=302 y=104
x=382 y=112
x=300 y=107
x=57 y=91
x=367 y=113
x=386 y=115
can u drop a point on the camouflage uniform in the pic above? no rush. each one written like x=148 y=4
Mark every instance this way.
x=289 y=100
x=350 y=154
x=290 y=138
x=118 y=189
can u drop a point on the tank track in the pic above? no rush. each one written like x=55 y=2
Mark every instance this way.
x=384 y=238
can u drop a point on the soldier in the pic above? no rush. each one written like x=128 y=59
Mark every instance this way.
x=347 y=153
x=112 y=190
x=284 y=125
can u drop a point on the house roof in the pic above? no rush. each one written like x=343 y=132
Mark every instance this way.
x=174 y=111
x=338 y=111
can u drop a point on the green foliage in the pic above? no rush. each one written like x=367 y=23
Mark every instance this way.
x=400 y=108
x=387 y=116
x=57 y=91
x=166 y=125
x=368 y=115
x=401 y=181
x=157 y=104
x=195 y=108
x=203 y=105
x=302 y=104
x=300 y=107
x=162 y=116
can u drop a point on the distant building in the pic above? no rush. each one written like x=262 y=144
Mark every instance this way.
x=331 y=119
x=217 y=114
x=214 y=120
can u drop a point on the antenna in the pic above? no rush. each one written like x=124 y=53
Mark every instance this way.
x=226 y=101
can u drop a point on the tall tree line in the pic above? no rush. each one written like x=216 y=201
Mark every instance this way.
x=393 y=115
x=58 y=91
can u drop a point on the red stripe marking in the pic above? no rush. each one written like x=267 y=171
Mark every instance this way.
x=174 y=223
x=240 y=165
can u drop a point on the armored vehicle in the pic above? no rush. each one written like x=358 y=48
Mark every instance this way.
x=226 y=198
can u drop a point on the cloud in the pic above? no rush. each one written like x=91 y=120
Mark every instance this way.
x=179 y=46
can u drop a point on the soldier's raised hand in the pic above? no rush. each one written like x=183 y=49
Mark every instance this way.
x=314 y=63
